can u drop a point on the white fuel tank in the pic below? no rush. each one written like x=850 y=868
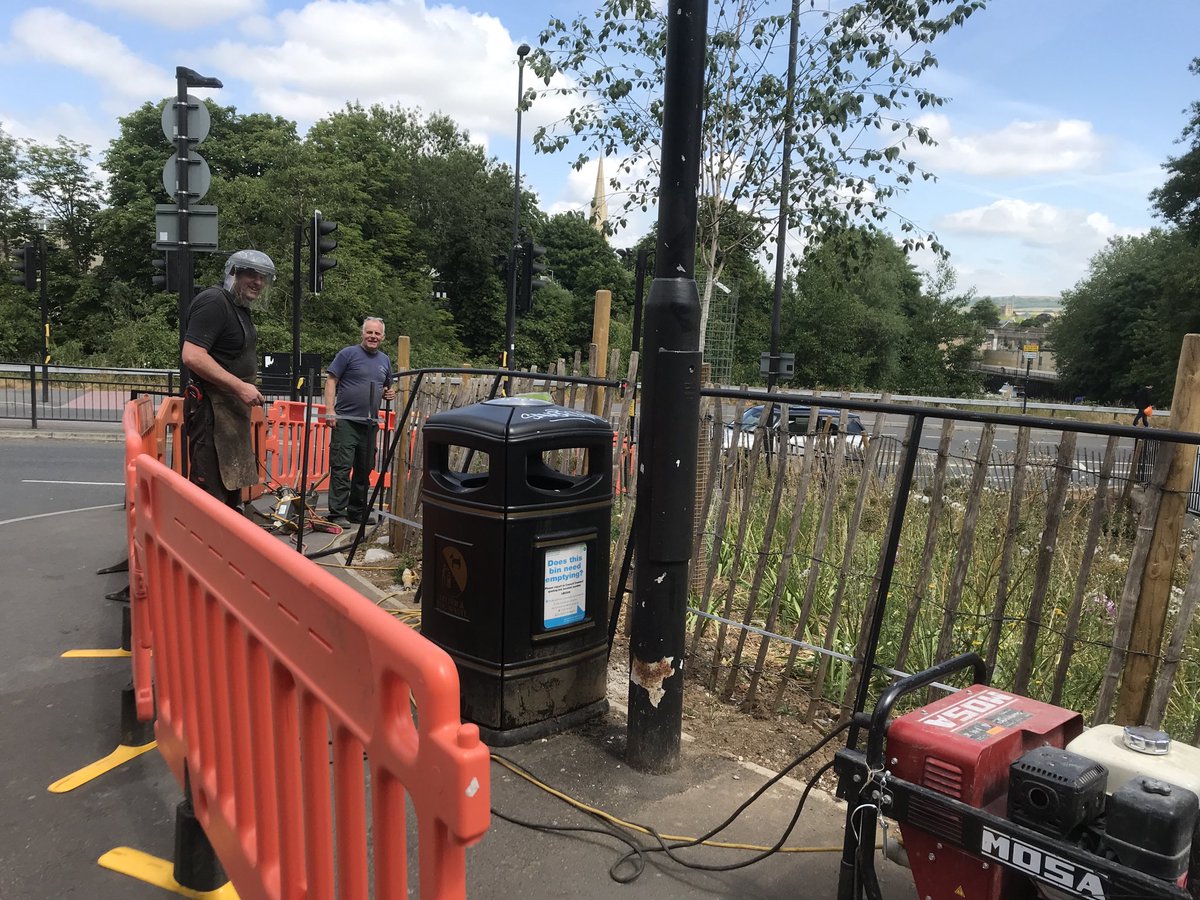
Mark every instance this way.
x=1138 y=750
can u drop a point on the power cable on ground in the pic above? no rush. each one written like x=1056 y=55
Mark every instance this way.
x=635 y=858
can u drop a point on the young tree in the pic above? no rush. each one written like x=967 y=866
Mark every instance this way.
x=945 y=337
x=859 y=65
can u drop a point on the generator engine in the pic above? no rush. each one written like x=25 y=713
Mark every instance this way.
x=1001 y=797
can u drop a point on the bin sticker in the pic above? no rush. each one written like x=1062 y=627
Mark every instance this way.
x=451 y=580
x=564 y=597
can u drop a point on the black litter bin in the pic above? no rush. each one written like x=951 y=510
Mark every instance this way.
x=517 y=505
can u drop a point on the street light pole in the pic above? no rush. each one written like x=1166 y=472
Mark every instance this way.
x=666 y=484
x=510 y=321
x=785 y=182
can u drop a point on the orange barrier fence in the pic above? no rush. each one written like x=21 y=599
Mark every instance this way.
x=160 y=435
x=276 y=686
x=624 y=464
x=281 y=452
x=141 y=437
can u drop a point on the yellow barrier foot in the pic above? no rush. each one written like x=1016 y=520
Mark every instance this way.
x=119 y=756
x=158 y=872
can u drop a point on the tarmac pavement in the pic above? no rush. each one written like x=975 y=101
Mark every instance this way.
x=57 y=715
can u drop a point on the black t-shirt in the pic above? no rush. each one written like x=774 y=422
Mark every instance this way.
x=220 y=326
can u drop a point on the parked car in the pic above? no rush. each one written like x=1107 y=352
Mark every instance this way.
x=828 y=425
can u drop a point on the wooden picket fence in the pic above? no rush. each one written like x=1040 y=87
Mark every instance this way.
x=1032 y=554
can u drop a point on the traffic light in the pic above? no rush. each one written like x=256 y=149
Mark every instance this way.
x=25 y=266
x=531 y=268
x=318 y=246
x=165 y=277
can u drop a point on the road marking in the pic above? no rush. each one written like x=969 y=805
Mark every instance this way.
x=64 y=512
x=96 y=483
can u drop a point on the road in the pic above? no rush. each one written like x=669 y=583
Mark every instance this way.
x=61 y=520
x=50 y=476
x=1005 y=440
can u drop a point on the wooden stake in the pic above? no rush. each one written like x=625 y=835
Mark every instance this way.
x=1151 y=614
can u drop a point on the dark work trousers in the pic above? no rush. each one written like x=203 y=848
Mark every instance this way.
x=351 y=458
x=203 y=468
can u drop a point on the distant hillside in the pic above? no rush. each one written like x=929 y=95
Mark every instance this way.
x=1023 y=302
x=1024 y=306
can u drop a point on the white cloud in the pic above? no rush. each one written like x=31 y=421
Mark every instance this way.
x=70 y=120
x=441 y=59
x=1017 y=247
x=180 y=15
x=1018 y=149
x=1036 y=224
x=48 y=35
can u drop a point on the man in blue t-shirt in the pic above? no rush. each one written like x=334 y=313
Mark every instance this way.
x=356 y=383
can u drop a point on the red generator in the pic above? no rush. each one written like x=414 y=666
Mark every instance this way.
x=993 y=802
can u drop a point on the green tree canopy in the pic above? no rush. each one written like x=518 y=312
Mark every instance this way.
x=985 y=312
x=1178 y=200
x=861 y=318
x=580 y=261
x=1123 y=325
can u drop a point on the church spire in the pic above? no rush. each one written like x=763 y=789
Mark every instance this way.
x=599 y=199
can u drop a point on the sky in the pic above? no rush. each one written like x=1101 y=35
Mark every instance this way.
x=1061 y=113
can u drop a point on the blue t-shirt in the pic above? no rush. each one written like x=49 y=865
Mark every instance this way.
x=361 y=379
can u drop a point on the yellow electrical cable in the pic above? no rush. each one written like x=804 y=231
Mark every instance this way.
x=609 y=817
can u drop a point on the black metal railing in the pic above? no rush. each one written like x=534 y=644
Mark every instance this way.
x=76 y=394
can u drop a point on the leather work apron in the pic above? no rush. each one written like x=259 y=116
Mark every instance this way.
x=231 y=418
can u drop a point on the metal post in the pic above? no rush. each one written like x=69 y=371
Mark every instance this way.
x=785 y=183
x=510 y=320
x=186 y=267
x=639 y=291
x=381 y=452
x=297 y=246
x=45 y=300
x=302 y=500
x=887 y=567
x=33 y=396
x=639 y=275
x=671 y=396
x=1025 y=392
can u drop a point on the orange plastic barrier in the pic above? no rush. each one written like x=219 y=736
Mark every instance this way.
x=281 y=452
x=146 y=432
x=624 y=461
x=168 y=429
x=272 y=679
x=141 y=437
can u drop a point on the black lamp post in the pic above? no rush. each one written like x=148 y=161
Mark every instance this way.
x=510 y=324
x=785 y=202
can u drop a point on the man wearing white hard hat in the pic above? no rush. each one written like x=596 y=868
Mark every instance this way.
x=220 y=349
